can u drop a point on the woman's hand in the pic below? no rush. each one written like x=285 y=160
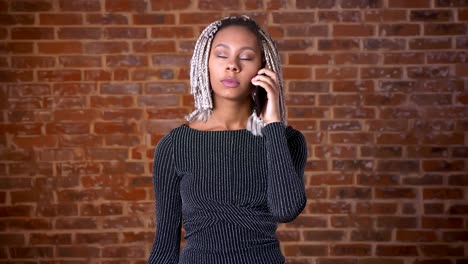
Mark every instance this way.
x=268 y=80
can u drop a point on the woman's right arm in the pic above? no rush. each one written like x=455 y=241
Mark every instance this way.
x=168 y=205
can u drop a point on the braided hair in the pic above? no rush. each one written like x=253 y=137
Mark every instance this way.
x=199 y=75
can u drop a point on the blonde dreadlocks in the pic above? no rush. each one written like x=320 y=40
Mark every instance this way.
x=199 y=75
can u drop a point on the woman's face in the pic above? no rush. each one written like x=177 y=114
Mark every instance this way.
x=235 y=58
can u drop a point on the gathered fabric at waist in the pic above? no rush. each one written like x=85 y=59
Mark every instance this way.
x=229 y=228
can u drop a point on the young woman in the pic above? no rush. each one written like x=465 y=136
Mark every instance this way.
x=232 y=173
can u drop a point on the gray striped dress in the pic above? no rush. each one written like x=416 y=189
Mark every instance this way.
x=228 y=189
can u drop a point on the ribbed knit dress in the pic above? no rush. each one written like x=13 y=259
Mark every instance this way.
x=229 y=189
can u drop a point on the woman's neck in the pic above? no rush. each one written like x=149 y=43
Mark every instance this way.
x=229 y=115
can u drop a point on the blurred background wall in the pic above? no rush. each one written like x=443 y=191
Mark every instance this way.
x=379 y=88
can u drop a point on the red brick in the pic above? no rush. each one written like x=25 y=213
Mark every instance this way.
x=370 y=235
x=444 y=29
x=307 y=59
x=351 y=250
x=396 y=222
x=293 y=17
x=463 y=14
x=427 y=179
x=124 y=33
x=292 y=99
x=385 y=15
x=309 y=4
x=381 y=260
x=395 y=250
x=31 y=5
x=431 y=15
x=79 y=33
x=352 y=165
x=395 y=192
x=162 y=46
x=442 y=250
x=307 y=221
x=12 y=239
x=329 y=208
x=16 y=47
x=375 y=208
x=122 y=222
x=381 y=73
x=60 y=19
x=59 y=75
x=411 y=4
x=352 y=58
x=337 y=44
x=416 y=236
x=339 y=16
x=443 y=193
x=458 y=180
x=79 y=6
x=96 y=238
x=105 y=47
x=107 y=19
x=60 y=47
x=443 y=165
x=399 y=30
x=296 y=73
x=305 y=30
x=31 y=252
x=217 y=5
x=450 y=3
x=32 y=62
x=336 y=73
x=381 y=152
x=126 y=61
x=80 y=61
x=50 y=239
x=351 y=138
x=350 y=193
x=353 y=112
x=362 y=4
x=172 y=32
x=26 y=19
x=306 y=112
x=323 y=235
x=384 y=44
x=78 y=251
x=123 y=252
x=353 y=30
x=153 y=19
x=125 y=5
x=157 y=5
x=336 y=151
x=305 y=250
x=32 y=33
x=378 y=179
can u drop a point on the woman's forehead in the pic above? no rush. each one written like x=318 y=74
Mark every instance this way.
x=235 y=34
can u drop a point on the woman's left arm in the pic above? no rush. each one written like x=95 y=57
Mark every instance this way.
x=287 y=156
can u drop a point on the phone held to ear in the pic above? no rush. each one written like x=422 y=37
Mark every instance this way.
x=260 y=98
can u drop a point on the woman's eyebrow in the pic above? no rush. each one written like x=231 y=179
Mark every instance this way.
x=222 y=45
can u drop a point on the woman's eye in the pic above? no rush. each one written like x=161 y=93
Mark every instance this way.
x=221 y=56
x=247 y=59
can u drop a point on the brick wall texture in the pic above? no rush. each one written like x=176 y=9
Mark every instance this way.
x=378 y=87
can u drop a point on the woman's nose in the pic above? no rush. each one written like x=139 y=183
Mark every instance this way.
x=232 y=66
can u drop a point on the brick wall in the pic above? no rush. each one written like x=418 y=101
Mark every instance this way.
x=379 y=88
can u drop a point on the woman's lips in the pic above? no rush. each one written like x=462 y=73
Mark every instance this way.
x=231 y=83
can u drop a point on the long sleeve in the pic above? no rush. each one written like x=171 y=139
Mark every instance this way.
x=286 y=155
x=168 y=205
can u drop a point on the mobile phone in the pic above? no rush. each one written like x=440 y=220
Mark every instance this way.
x=259 y=98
